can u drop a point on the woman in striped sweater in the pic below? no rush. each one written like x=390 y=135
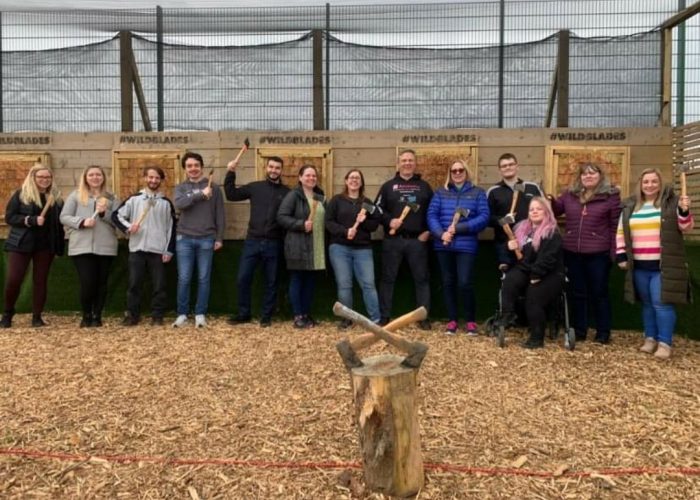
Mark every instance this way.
x=650 y=247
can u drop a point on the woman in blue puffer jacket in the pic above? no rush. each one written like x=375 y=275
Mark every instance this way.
x=458 y=212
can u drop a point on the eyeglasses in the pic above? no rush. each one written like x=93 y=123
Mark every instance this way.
x=43 y=177
x=506 y=165
x=458 y=170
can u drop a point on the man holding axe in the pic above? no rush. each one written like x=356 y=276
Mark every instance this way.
x=403 y=202
x=200 y=233
x=508 y=203
x=148 y=217
x=263 y=243
x=350 y=220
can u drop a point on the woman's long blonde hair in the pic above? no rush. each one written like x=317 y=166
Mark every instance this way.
x=84 y=188
x=465 y=164
x=29 y=193
x=639 y=194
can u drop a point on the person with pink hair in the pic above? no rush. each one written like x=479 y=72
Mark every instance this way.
x=539 y=275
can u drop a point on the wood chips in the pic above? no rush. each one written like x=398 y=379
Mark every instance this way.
x=246 y=412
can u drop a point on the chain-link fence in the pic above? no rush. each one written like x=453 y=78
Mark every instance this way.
x=450 y=65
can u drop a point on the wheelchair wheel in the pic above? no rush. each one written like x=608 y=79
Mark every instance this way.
x=500 y=336
x=570 y=340
x=490 y=326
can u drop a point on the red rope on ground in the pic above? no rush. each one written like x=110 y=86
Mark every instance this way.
x=265 y=464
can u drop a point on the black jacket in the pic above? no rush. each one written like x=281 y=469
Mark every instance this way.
x=341 y=213
x=28 y=237
x=265 y=198
x=546 y=260
x=500 y=198
x=298 y=244
x=393 y=197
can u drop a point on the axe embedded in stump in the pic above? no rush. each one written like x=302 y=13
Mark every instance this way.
x=386 y=412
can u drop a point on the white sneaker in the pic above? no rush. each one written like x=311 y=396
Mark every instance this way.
x=180 y=321
x=200 y=321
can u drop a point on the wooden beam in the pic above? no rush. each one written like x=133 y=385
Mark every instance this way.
x=666 y=77
x=552 y=96
x=126 y=77
x=319 y=122
x=683 y=15
x=148 y=127
x=563 y=79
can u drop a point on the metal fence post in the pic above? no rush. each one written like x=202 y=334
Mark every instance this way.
x=126 y=75
x=159 y=68
x=563 y=79
x=318 y=79
x=501 y=62
x=680 y=71
x=328 y=66
x=2 y=126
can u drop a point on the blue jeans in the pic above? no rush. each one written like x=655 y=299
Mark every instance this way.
x=190 y=252
x=347 y=260
x=589 y=275
x=457 y=269
x=255 y=252
x=659 y=319
x=301 y=291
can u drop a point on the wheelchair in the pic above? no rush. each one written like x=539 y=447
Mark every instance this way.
x=558 y=317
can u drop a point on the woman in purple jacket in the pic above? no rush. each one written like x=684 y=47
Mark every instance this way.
x=592 y=208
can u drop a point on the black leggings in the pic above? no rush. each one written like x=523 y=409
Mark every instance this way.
x=538 y=297
x=93 y=272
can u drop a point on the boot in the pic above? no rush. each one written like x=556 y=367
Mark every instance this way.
x=37 y=321
x=663 y=351
x=6 y=320
x=536 y=339
x=97 y=320
x=86 y=322
x=649 y=345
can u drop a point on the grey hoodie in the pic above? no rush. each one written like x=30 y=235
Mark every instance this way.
x=101 y=239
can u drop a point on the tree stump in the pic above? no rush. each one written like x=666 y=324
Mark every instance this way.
x=384 y=393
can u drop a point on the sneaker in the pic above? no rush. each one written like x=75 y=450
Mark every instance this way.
x=663 y=351
x=649 y=345
x=425 y=324
x=156 y=321
x=180 y=321
x=472 y=329
x=451 y=328
x=200 y=321
x=238 y=320
x=300 y=322
x=37 y=321
x=310 y=322
x=265 y=321
x=345 y=324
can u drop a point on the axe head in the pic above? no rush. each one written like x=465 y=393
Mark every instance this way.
x=370 y=208
x=246 y=143
x=519 y=186
x=506 y=220
x=318 y=197
x=415 y=358
x=463 y=212
x=348 y=355
x=684 y=168
x=413 y=206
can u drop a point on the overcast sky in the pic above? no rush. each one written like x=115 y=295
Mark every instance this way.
x=147 y=4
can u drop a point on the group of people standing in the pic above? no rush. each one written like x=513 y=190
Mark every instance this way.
x=643 y=234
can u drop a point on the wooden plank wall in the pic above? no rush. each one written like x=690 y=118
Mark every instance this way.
x=374 y=152
x=686 y=155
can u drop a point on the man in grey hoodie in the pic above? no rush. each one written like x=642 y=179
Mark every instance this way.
x=148 y=217
x=200 y=232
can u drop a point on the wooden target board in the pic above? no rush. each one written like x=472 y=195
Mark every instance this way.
x=432 y=162
x=294 y=158
x=562 y=163
x=13 y=169
x=127 y=171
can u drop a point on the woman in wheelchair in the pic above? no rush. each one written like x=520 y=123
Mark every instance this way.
x=539 y=275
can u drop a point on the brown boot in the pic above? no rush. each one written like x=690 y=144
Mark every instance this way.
x=649 y=345
x=663 y=351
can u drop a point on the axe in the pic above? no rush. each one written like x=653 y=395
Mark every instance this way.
x=683 y=168
x=101 y=199
x=47 y=205
x=415 y=351
x=409 y=207
x=244 y=148
x=151 y=204
x=459 y=213
x=367 y=208
x=211 y=178
x=505 y=223
x=517 y=189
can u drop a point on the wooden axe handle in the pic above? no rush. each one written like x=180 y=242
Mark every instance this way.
x=404 y=214
x=511 y=236
x=394 y=340
x=47 y=205
x=516 y=194
x=211 y=178
x=363 y=211
x=367 y=339
x=312 y=212
x=684 y=185
x=243 y=149
x=455 y=220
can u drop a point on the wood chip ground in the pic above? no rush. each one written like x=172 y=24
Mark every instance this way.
x=245 y=412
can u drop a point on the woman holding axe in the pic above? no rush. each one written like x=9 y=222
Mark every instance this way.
x=92 y=241
x=302 y=214
x=458 y=212
x=36 y=237
x=650 y=248
x=350 y=220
